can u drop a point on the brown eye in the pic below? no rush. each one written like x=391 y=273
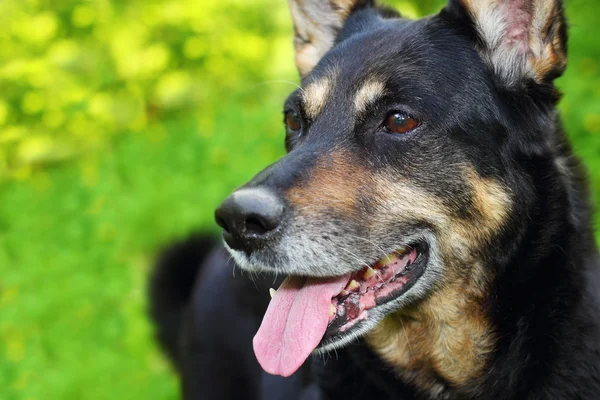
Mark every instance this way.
x=293 y=121
x=400 y=123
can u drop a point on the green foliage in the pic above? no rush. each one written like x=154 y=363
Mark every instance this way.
x=122 y=126
x=78 y=74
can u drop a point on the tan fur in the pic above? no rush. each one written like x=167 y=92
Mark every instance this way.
x=491 y=199
x=307 y=56
x=345 y=6
x=403 y=199
x=334 y=183
x=316 y=23
x=447 y=334
x=315 y=97
x=367 y=94
x=548 y=54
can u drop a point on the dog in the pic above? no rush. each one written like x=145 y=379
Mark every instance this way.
x=429 y=230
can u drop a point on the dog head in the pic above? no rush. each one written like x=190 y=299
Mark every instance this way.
x=408 y=147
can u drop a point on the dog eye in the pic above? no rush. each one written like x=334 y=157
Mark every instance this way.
x=293 y=121
x=400 y=123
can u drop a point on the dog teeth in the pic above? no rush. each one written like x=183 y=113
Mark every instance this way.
x=369 y=273
x=331 y=310
x=403 y=251
x=272 y=292
x=352 y=286
x=390 y=258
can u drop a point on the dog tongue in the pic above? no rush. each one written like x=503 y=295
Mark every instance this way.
x=295 y=323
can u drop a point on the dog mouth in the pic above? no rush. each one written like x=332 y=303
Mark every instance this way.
x=308 y=314
x=372 y=287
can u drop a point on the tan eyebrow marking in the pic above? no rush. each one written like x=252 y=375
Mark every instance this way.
x=367 y=94
x=315 y=97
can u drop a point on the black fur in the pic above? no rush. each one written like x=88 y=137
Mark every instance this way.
x=171 y=288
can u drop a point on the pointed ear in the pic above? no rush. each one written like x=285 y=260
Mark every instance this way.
x=519 y=39
x=316 y=25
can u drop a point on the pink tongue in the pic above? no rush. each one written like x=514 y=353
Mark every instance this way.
x=295 y=323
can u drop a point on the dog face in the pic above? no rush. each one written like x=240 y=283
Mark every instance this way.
x=407 y=147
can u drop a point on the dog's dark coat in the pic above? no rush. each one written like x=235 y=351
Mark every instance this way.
x=543 y=300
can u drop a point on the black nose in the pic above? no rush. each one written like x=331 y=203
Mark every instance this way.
x=249 y=217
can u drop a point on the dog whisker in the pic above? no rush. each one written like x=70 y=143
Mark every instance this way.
x=407 y=339
x=383 y=253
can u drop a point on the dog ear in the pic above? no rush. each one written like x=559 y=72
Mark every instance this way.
x=519 y=39
x=316 y=25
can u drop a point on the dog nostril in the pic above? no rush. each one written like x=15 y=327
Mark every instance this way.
x=257 y=226
x=221 y=222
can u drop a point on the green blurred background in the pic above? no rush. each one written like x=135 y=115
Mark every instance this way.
x=122 y=125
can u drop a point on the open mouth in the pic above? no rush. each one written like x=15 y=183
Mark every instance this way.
x=376 y=285
x=307 y=314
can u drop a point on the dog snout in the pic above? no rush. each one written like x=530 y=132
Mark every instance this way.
x=249 y=217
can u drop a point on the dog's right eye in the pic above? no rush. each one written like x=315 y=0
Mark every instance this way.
x=292 y=120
